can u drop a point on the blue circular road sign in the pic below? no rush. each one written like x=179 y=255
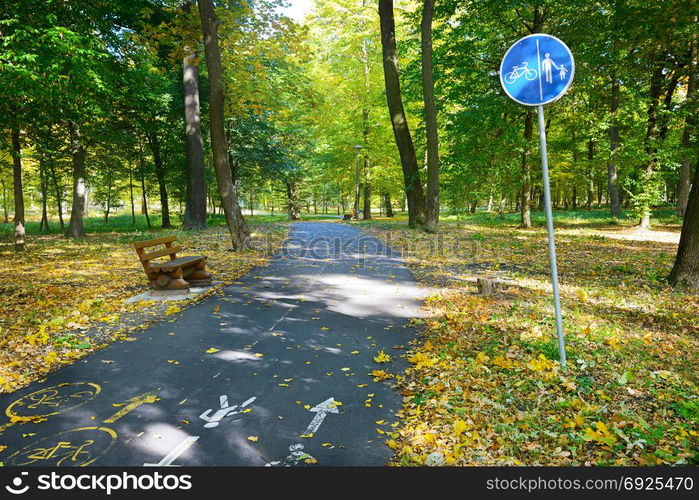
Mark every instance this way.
x=537 y=69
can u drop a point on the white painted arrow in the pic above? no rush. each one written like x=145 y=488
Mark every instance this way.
x=296 y=450
x=176 y=452
x=321 y=410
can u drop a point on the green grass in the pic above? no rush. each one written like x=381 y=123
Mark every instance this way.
x=596 y=218
x=567 y=218
x=116 y=224
x=123 y=223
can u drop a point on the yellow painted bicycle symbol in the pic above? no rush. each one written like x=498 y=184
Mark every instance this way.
x=72 y=448
x=61 y=451
x=53 y=400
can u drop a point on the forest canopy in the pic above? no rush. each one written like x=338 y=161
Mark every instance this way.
x=111 y=105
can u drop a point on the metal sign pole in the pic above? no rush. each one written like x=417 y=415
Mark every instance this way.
x=529 y=79
x=552 y=243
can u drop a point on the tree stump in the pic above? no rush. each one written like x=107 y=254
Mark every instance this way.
x=488 y=286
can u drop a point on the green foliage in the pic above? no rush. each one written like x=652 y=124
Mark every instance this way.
x=645 y=191
x=299 y=98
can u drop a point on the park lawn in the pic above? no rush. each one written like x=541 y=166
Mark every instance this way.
x=56 y=295
x=484 y=386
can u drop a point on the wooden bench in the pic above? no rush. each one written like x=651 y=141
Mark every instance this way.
x=173 y=274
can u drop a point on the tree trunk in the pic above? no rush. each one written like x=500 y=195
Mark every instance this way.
x=5 y=210
x=404 y=142
x=685 y=272
x=387 y=205
x=575 y=170
x=355 y=210
x=77 y=210
x=292 y=205
x=154 y=144
x=43 y=188
x=108 y=202
x=525 y=205
x=590 y=181
x=86 y=213
x=432 y=209
x=226 y=188
x=684 y=183
x=195 y=207
x=542 y=202
x=133 y=206
x=651 y=130
x=366 y=213
x=612 y=184
x=689 y=126
x=59 y=194
x=20 y=231
x=144 y=200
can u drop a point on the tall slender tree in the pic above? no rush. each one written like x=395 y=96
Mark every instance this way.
x=432 y=211
x=366 y=212
x=612 y=176
x=195 y=207
x=226 y=188
x=684 y=183
x=20 y=230
x=404 y=141
x=154 y=144
x=526 y=188
x=78 y=153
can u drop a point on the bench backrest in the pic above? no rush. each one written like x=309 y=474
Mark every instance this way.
x=169 y=249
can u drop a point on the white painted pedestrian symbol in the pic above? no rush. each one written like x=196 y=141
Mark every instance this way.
x=522 y=70
x=547 y=64
x=223 y=412
x=562 y=72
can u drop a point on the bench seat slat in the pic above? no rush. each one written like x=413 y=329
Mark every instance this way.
x=150 y=243
x=161 y=253
x=174 y=264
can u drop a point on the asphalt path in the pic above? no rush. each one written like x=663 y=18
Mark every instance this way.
x=274 y=370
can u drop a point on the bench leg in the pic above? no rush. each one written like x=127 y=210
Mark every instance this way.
x=171 y=281
x=197 y=275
